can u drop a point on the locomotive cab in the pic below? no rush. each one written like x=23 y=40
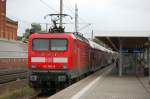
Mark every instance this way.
x=49 y=59
x=49 y=53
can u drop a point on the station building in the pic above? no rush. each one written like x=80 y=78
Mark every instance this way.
x=13 y=54
x=8 y=27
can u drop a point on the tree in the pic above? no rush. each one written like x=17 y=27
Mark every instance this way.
x=35 y=28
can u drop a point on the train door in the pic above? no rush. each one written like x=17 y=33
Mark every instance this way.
x=78 y=61
x=92 y=60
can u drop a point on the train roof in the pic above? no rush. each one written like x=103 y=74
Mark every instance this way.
x=99 y=47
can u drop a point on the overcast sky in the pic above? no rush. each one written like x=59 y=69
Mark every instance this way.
x=105 y=15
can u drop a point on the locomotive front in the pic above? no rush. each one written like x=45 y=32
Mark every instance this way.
x=49 y=60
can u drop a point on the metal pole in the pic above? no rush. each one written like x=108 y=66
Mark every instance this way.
x=61 y=12
x=46 y=27
x=136 y=61
x=148 y=61
x=143 y=54
x=120 y=58
x=92 y=35
x=76 y=18
x=140 y=53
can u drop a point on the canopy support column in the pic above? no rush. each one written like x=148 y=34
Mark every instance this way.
x=120 y=57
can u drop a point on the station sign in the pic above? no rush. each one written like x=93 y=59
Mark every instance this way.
x=124 y=50
x=134 y=50
x=138 y=50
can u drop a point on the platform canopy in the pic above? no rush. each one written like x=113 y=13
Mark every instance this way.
x=128 y=40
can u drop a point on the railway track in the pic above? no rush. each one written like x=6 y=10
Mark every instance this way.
x=12 y=75
x=40 y=96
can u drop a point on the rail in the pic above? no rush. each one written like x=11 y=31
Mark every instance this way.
x=12 y=75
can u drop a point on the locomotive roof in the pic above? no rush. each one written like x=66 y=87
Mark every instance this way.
x=66 y=34
x=46 y=34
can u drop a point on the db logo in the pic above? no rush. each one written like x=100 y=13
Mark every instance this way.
x=49 y=59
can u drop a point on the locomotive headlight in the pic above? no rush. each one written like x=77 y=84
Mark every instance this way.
x=62 y=78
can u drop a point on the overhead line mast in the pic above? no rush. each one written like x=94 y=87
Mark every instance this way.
x=61 y=12
x=76 y=18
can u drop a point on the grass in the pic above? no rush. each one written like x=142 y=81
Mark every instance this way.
x=19 y=94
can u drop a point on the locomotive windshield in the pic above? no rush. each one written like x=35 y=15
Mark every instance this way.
x=50 y=44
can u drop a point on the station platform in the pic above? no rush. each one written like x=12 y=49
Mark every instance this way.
x=105 y=84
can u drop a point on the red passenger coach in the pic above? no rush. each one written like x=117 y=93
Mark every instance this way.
x=56 y=59
x=99 y=56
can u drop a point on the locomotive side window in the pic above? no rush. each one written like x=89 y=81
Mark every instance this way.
x=50 y=44
x=58 y=44
x=41 y=44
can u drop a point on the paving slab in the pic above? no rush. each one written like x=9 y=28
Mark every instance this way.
x=105 y=84
x=114 y=87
